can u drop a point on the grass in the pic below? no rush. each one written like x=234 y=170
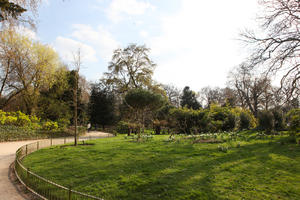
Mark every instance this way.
x=118 y=168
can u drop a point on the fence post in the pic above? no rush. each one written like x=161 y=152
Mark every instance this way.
x=70 y=193
x=64 y=140
x=26 y=149
x=51 y=141
x=37 y=145
x=27 y=176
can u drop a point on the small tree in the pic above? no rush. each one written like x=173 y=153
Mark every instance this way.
x=143 y=102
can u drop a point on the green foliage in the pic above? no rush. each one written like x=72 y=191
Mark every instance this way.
x=214 y=119
x=279 y=122
x=266 y=121
x=142 y=100
x=189 y=100
x=102 y=106
x=49 y=126
x=18 y=126
x=246 y=119
x=222 y=118
x=123 y=127
x=143 y=104
x=293 y=118
x=18 y=119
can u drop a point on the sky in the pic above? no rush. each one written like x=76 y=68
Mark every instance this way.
x=194 y=43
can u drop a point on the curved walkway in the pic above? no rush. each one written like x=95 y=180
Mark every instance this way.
x=9 y=187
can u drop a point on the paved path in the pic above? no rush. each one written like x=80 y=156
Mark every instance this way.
x=9 y=187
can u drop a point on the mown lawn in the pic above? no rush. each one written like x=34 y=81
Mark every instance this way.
x=118 y=168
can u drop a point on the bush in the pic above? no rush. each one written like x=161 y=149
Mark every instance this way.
x=266 y=121
x=279 y=123
x=63 y=123
x=230 y=122
x=246 y=120
x=293 y=118
x=50 y=126
x=123 y=127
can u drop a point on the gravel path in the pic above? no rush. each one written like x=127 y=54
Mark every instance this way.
x=10 y=189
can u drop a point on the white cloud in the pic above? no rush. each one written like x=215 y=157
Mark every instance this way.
x=101 y=39
x=197 y=46
x=66 y=48
x=118 y=8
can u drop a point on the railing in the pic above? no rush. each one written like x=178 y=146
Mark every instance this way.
x=43 y=188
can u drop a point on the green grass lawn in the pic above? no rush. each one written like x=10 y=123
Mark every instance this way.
x=118 y=168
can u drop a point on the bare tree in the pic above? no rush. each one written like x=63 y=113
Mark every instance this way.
x=277 y=49
x=209 y=95
x=252 y=90
x=77 y=63
x=173 y=94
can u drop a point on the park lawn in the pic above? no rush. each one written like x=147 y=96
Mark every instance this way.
x=118 y=168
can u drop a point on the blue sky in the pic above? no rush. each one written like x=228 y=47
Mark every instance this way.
x=193 y=42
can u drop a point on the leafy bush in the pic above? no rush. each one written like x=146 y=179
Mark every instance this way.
x=63 y=123
x=123 y=127
x=266 y=121
x=293 y=118
x=10 y=120
x=246 y=120
x=279 y=123
x=50 y=126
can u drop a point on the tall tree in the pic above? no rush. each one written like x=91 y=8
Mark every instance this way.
x=188 y=99
x=102 y=106
x=251 y=89
x=130 y=68
x=26 y=66
x=277 y=47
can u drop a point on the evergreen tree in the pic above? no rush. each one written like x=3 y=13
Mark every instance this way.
x=188 y=99
x=102 y=106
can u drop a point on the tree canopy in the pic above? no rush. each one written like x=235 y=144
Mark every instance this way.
x=130 y=68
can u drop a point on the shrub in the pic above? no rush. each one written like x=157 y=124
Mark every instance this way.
x=230 y=122
x=23 y=120
x=50 y=126
x=266 y=121
x=293 y=118
x=279 y=123
x=123 y=127
x=10 y=120
x=63 y=123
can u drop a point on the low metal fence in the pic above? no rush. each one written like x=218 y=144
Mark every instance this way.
x=43 y=188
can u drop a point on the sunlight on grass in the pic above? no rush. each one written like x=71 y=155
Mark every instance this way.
x=117 y=168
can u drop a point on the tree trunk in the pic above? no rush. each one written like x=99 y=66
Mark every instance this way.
x=75 y=107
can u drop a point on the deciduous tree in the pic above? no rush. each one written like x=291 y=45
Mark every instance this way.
x=277 y=48
x=130 y=68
